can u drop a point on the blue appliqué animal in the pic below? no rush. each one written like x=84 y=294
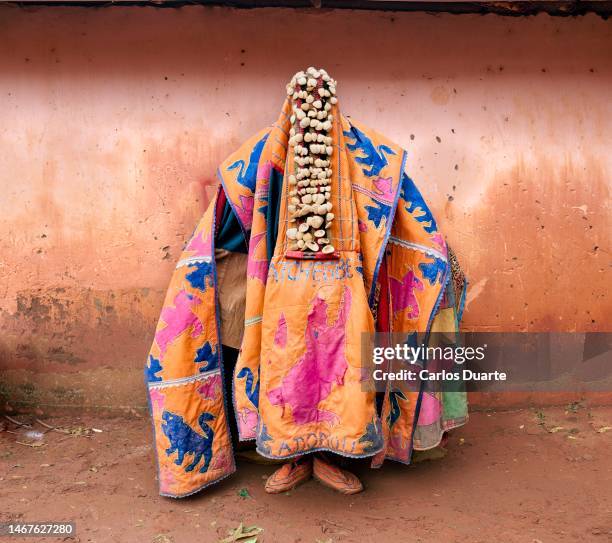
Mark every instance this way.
x=252 y=391
x=202 y=276
x=374 y=156
x=206 y=354
x=152 y=368
x=373 y=437
x=247 y=177
x=433 y=270
x=416 y=204
x=185 y=440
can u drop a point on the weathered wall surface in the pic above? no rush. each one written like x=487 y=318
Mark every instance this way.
x=113 y=122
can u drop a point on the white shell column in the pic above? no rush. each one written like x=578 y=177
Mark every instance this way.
x=310 y=209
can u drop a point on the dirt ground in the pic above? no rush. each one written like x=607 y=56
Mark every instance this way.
x=530 y=476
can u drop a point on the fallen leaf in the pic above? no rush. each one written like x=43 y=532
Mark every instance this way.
x=604 y=429
x=555 y=429
x=243 y=534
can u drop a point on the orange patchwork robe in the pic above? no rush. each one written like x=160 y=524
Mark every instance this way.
x=299 y=383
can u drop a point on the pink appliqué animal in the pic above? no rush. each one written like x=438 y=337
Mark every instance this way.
x=178 y=319
x=402 y=293
x=210 y=389
x=324 y=363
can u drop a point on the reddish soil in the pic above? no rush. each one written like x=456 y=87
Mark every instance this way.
x=521 y=476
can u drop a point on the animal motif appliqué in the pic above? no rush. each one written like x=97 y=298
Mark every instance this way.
x=374 y=157
x=247 y=173
x=324 y=363
x=251 y=387
x=184 y=440
x=178 y=319
x=403 y=296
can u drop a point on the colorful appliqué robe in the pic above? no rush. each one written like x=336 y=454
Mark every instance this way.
x=298 y=382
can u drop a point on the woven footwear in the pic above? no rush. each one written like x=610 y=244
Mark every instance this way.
x=288 y=476
x=332 y=476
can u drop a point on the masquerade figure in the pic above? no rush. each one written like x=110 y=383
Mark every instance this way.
x=315 y=237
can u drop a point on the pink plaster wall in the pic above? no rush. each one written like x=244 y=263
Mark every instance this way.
x=113 y=121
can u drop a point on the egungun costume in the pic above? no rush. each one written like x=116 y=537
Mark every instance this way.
x=315 y=236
